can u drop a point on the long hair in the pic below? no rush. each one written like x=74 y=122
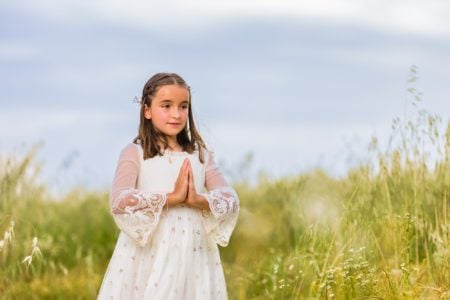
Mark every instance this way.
x=150 y=137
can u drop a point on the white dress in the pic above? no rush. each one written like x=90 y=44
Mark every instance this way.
x=167 y=253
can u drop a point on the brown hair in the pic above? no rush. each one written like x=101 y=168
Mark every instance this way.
x=149 y=137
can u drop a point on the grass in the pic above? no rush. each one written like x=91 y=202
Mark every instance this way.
x=382 y=231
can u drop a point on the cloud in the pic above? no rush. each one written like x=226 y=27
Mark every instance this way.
x=286 y=80
x=282 y=149
x=12 y=51
x=411 y=17
x=37 y=123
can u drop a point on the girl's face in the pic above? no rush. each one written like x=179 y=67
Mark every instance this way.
x=169 y=110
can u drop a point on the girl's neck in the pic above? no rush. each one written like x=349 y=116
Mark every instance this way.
x=174 y=146
x=175 y=149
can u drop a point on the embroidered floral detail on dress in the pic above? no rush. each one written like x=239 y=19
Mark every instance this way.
x=220 y=221
x=138 y=220
x=222 y=201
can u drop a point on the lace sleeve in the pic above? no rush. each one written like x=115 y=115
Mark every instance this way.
x=135 y=212
x=223 y=203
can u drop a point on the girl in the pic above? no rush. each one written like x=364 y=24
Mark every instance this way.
x=170 y=226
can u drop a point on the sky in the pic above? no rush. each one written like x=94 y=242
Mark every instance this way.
x=297 y=84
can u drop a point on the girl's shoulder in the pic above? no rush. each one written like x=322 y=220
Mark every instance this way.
x=131 y=151
x=211 y=166
x=132 y=147
x=207 y=154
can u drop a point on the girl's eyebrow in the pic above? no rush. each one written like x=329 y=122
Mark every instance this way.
x=170 y=101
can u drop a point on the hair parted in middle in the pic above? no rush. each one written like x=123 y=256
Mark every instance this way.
x=150 y=137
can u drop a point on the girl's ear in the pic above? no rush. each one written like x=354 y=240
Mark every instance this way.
x=147 y=113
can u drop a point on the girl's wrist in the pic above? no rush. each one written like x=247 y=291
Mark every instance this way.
x=172 y=199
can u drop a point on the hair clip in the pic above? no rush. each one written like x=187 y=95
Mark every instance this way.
x=136 y=100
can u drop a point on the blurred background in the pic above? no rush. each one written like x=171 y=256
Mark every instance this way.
x=296 y=84
x=331 y=118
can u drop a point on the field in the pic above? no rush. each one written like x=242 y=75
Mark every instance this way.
x=382 y=231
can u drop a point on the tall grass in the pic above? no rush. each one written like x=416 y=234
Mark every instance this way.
x=59 y=247
x=381 y=231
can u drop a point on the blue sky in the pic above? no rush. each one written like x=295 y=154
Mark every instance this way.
x=300 y=84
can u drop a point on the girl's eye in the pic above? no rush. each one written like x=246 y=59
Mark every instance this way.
x=184 y=107
x=166 y=106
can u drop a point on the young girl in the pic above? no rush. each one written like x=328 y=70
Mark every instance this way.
x=170 y=225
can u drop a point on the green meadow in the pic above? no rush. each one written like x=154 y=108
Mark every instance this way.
x=381 y=231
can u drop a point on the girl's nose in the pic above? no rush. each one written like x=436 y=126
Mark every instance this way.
x=176 y=113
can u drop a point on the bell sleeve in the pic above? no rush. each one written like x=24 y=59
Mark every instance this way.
x=223 y=202
x=135 y=212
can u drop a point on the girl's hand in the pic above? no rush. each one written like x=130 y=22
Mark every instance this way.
x=193 y=199
x=180 y=191
x=126 y=202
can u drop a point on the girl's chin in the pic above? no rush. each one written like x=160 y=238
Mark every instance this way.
x=172 y=133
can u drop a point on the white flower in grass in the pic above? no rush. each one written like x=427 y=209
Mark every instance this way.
x=35 y=249
x=2 y=244
x=27 y=260
x=7 y=236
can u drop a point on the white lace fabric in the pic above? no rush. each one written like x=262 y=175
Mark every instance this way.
x=138 y=220
x=137 y=213
x=221 y=219
x=167 y=252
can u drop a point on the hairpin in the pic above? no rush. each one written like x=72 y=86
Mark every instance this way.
x=136 y=100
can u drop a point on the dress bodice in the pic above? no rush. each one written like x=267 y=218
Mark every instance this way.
x=160 y=172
